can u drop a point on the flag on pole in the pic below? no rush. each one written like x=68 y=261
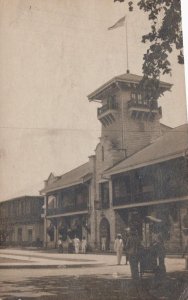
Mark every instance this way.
x=119 y=23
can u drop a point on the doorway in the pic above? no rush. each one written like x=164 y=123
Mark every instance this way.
x=104 y=230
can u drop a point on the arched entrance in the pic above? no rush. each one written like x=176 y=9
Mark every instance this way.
x=104 y=229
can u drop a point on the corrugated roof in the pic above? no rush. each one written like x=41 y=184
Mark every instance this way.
x=172 y=143
x=127 y=78
x=22 y=197
x=70 y=178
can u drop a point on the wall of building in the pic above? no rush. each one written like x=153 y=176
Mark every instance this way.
x=21 y=221
x=37 y=234
x=175 y=236
x=138 y=133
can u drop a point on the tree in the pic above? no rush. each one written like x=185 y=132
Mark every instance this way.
x=163 y=37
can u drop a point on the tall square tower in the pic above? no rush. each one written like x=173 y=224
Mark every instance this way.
x=128 y=114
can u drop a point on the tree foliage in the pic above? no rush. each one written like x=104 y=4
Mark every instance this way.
x=165 y=34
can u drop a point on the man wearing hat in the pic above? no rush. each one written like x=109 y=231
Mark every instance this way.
x=118 y=247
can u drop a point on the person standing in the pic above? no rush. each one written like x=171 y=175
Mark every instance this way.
x=84 y=244
x=127 y=230
x=132 y=247
x=60 y=245
x=76 y=244
x=159 y=248
x=185 y=250
x=103 y=243
x=118 y=248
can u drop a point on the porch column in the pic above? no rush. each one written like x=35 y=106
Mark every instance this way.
x=112 y=216
x=45 y=221
x=56 y=233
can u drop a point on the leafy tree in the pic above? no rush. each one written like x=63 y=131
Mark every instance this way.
x=164 y=35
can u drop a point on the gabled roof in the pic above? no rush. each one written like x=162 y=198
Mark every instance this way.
x=19 y=198
x=172 y=144
x=124 y=78
x=73 y=177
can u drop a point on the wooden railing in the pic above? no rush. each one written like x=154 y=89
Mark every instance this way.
x=61 y=210
x=143 y=104
x=122 y=200
x=107 y=107
x=134 y=198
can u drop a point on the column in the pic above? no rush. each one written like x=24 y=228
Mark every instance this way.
x=112 y=215
x=45 y=221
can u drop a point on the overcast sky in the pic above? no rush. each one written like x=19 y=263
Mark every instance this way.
x=53 y=54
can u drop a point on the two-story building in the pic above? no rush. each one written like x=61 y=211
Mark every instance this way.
x=20 y=221
x=138 y=172
x=152 y=185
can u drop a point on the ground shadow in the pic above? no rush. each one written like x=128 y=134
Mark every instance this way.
x=102 y=287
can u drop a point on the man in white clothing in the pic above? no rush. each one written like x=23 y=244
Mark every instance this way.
x=103 y=243
x=84 y=244
x=76 y=244
x=118 y=248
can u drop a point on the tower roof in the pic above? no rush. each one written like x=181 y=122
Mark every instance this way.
x=127 y=79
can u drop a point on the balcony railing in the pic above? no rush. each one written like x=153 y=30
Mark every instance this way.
x=122 y=200
x=62 y=210
x=143 y=104
x=144 y=197
x=136 y=198
x=106 y=107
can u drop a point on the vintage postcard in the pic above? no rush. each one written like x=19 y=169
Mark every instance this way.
x=94 y=150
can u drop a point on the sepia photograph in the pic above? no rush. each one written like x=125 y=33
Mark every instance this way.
x=94 y=150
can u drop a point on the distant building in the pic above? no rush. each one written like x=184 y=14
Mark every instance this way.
x=139 y=173
x=20 y=221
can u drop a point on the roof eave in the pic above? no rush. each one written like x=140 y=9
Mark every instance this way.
x=147 y=163
x=65 y=186
x=95 y=95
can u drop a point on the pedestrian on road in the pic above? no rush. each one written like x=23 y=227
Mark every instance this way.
x=76 y=244
x=159 y=249
x=60 y=245
x=103 y=243
x=133 y=247
x=127 y=230
x=118 y=248
x=185 y=250
x=84 y=244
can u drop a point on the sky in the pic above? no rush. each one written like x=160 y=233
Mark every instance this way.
x=53 y=54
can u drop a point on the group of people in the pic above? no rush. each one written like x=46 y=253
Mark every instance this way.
x=76 y=243
x=138 y=257
x=135 y=253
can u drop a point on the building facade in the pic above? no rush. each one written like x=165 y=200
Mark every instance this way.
x=139 y=172
x=20 y=221
x=156 y=188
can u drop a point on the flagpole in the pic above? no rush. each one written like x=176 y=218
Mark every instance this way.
x=127 y=48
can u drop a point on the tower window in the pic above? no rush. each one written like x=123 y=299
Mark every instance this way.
x=102 y=151
x=136 y=96
x=104 y=194
x=139 y=97
x=133 y=96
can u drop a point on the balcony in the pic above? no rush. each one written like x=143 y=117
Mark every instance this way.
x=63 y=210
x=122 y=200
x=144 y=109
x=134 y=198
x=107 y=113
x=144 y=197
